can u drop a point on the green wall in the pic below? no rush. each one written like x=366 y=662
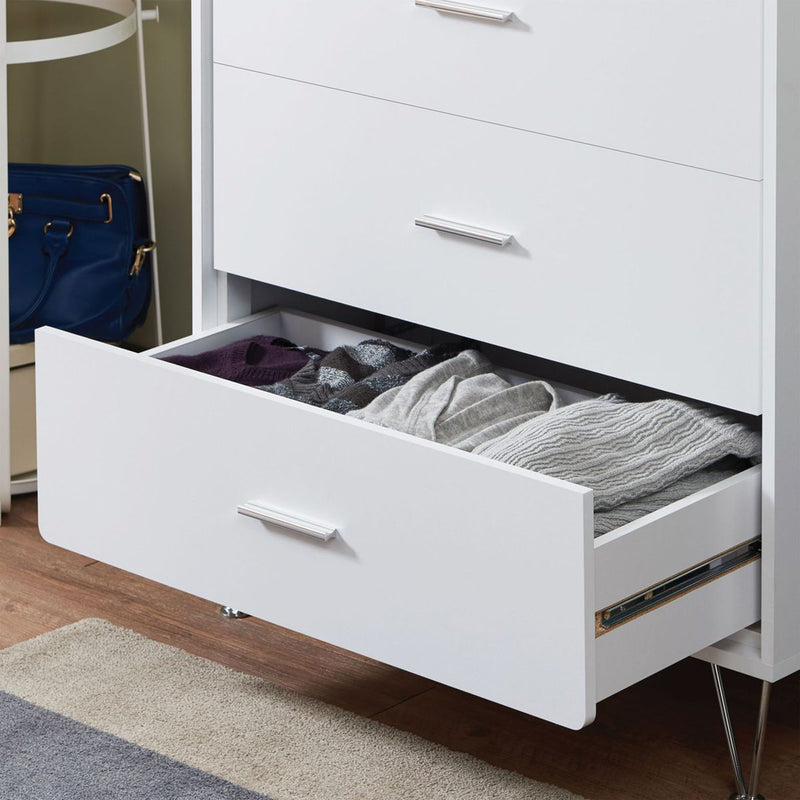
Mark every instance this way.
x=86 y=111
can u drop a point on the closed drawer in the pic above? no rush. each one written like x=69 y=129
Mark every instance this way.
x=480 y=575
x=646 y=271
x=679 y=80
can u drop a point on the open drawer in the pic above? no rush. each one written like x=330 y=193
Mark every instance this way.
x=480 y=575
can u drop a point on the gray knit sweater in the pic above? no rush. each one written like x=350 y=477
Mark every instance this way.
x=605 y=521
x=460 y=402
x=624 y=451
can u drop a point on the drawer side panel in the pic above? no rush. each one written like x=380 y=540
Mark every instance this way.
x=678 y=537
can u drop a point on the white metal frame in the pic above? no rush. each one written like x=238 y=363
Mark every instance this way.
x=50 y=49
x=79 y=44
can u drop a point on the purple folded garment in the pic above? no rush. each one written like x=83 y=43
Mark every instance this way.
x=253 y=362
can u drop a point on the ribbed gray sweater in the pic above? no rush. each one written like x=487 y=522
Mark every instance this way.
x=605 y=521
x=624 y=451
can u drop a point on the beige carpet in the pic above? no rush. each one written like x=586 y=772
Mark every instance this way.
x=241 y=728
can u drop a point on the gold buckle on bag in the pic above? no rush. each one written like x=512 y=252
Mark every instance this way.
x=141 y=253
x=14 y=207
x=105 y=198
x=49 y=225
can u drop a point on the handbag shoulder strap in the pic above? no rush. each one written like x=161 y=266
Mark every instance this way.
x=49 y=207
x=57 y=234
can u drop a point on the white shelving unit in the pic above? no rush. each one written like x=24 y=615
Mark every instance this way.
x=129 y=18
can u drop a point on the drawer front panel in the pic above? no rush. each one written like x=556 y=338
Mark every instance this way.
x=415 y=575
x=674 y=79
x=646 y=271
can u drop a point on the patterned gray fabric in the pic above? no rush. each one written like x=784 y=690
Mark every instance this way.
x=391 y=376
x=460 y=402
x=320 y=380
x=605 y=521
x=624 y=451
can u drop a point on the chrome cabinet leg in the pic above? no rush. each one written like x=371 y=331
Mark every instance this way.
x=758 y=746
x=731 y=739
x=232 y=613
x=742 y=793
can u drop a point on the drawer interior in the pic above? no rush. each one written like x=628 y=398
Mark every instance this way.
x=311 y=330
x=733 y=500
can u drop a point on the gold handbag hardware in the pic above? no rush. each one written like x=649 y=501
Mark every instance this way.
x=106 y=198
x=49 y=225
x=138 y=260
x=14 y=207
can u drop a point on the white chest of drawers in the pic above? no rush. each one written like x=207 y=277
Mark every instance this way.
x=645 y=169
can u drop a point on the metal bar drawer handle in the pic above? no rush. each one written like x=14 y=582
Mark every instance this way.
x=459 y=229
x=315 y=530
x=467 y=10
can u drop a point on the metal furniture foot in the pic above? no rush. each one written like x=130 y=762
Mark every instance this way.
x=751 y=792
x=232 y=613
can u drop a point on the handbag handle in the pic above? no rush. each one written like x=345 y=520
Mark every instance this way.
x=57 y=234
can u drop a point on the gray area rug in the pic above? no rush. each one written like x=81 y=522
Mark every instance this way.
x=123 y=704
x=45 y=755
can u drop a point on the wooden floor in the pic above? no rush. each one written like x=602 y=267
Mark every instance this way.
x=659 y=739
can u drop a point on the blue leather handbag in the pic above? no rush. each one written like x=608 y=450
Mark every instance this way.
x=79 y=250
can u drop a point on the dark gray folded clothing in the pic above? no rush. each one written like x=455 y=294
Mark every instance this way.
x=624 y=451
x=391 y=376
x=606 y=521
x=320 y=380
x=254 y=361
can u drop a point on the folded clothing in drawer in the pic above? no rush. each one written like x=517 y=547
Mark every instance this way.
x=462 y=403
x=252 y=362
x=622 y=450
x=351 y=376
x=636 y=457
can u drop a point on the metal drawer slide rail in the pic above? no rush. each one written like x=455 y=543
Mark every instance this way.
x=648 y=599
